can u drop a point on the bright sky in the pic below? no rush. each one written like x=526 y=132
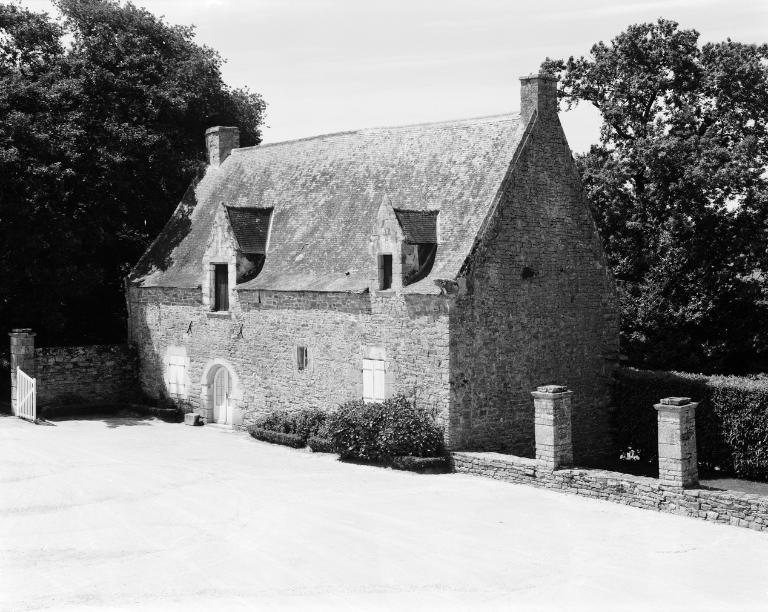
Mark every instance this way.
x=332 y=65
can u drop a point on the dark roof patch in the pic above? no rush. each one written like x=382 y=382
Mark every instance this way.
x=419 y=226
x=251 y=227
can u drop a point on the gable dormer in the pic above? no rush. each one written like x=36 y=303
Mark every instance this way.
x=419 y=246
x=250 y=227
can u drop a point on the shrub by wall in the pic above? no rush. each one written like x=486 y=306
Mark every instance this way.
x=731 y=420
x=381 y=431
x=320 y=445
x=277 y=437
x=303 y=423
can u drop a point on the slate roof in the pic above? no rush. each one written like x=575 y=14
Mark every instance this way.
x=325 y=193
x=419 y=226
x=250 y=227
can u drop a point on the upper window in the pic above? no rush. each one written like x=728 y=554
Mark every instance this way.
x=221 y=287
x=373 y=380
x=302 y=358
x=385 y=271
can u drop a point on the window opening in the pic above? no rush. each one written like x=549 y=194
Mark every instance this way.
x=221 y=287
x=301 y=357
x=385 y=271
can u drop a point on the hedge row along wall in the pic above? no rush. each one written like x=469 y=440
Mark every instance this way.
x=731 y=420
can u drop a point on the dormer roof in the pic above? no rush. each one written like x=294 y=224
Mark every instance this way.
x=250 y=225
x=325 y=192
x=419 y=226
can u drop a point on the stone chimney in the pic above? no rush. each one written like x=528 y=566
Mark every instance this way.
x=538 y=92
x=220 y=141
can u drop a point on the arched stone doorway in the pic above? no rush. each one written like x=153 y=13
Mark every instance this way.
x=221 y=394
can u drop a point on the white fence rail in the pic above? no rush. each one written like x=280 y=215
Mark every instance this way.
x=26 y=396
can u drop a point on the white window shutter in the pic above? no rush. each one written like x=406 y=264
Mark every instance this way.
x=373 y=380
x=368 y=380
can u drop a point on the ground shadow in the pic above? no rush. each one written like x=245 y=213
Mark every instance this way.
x=121 y=418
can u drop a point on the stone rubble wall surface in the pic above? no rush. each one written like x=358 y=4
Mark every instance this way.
x=539 y=307
x=729 y=507
x=104 y=373
x=258 y=341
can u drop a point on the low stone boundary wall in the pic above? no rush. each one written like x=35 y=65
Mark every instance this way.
x=730 y=507
x=96 y=374
x=89 y=374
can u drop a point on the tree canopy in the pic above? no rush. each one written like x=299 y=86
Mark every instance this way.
x=679 y=186
x=102 y=117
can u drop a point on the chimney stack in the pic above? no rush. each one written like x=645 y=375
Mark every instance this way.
x=538 y=92
x=220 y=141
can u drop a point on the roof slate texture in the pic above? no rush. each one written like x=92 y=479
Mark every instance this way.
x=251 y=228
x=325 y=193
x=419 y=226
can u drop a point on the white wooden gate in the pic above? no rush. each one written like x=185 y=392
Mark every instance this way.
x=26 y=396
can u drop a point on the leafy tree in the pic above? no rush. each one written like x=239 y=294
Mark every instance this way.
x=680 y=190
x=98 y=140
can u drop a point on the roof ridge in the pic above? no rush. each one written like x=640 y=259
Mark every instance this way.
x=373 y=130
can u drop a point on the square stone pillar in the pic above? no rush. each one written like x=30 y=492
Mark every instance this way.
x=554 y=445
x=678 y=463
x=22 y=356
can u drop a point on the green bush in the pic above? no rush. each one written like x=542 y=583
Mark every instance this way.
x=381 y=431
x=304 y=423
x=321 y=445
x=278 y=437
x=731 y=419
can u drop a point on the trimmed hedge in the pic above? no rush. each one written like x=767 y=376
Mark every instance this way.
x=379 y=432
x=277 y=437
x=321 y=445
x=304 y=423
x=439 y=465
x=731 y=420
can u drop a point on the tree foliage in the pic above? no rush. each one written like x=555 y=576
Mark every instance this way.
x=680 y=190
x=102 y=116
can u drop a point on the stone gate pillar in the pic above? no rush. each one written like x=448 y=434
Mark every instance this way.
x=678 y=463
x=22 y=356
x=554 y=444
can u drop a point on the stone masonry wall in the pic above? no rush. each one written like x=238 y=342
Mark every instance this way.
x=537 y=306
x=85 y=374
x=257 y=341
x=730 y=507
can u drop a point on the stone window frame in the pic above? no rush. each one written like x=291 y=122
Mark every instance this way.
x=381 y=267
x=212 y=287
x=302 y=357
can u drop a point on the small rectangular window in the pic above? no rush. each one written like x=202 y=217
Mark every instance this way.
x=373 y=380
x=221 y=287
x=302 y=360
x=385 y=271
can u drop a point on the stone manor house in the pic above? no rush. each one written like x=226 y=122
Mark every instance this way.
x=455 y=262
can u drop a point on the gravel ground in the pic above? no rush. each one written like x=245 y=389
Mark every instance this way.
x=144 y=515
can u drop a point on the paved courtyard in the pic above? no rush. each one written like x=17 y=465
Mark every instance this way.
x=140 y=514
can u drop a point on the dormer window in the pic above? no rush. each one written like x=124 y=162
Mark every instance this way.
x=419 y=244
x=220 y=287
x=251 y=229
x=385 y=271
